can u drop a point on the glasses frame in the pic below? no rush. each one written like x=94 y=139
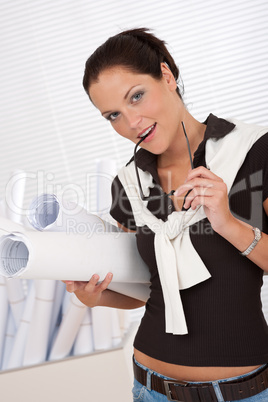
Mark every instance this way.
x=156 y=197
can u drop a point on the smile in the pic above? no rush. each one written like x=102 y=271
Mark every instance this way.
x=147 y=131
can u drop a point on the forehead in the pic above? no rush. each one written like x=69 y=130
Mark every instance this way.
x=115 y=83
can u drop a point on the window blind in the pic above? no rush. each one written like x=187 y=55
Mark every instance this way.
x=48 y=127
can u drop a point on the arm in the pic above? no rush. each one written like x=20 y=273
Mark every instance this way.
x=210 y=191
x=93 y=293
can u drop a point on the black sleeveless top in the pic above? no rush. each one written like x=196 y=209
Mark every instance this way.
x=226 y=326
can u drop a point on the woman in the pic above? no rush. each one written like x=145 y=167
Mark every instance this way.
x=203 y=336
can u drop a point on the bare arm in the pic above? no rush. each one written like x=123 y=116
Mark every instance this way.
x=241 y=235
x=210 y=191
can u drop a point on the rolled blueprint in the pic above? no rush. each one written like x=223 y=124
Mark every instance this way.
x=16 y=298
x=84 y=339
x=56 y=313
x=39 y=329
x=102 y=321
x=57 y=255
x=68 y=329
x=47 y=212
x=20 y=339
x=4 y=308
x=9 y=340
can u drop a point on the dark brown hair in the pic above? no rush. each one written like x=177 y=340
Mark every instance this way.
x=135 y=49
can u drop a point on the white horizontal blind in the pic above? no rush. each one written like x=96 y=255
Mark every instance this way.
x=48 y=125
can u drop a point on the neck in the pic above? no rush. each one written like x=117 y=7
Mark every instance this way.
x=177 y=153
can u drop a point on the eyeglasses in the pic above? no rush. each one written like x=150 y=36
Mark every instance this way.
x=155 y=197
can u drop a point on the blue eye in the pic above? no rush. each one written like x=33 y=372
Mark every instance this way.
x=136 y=97
x=113 y=116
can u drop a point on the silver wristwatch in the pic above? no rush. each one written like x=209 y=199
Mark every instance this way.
x=257 y=238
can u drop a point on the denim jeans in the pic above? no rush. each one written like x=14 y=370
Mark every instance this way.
x=142 y=393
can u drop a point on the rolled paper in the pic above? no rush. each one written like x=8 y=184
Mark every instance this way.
x=14 y=196
x=4 y=309
x=48 y=213
x=116 y=330
x=39 y=330
x=84 y=340
x=9 y=339
x=68 y=329
x=102 y=328
x=61 y=256
x=16 y=298
x=124 y=320
x=16 y=356
x=56 y=312
x=66 y=299
x=140 y=291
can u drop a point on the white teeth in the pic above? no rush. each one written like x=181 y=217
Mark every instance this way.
x=147 y=131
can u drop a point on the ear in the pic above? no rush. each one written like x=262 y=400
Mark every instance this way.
x=168 y=76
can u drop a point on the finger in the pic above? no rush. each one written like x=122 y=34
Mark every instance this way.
x=201 y=171
x=106 y=282
x=70 y=286
x=92 y=283
x=204 y=201
x=196 y=182
x=199 y=192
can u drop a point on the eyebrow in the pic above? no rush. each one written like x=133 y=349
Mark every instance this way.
x=125 y=97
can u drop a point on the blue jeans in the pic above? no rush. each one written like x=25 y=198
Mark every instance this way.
x=144 y=394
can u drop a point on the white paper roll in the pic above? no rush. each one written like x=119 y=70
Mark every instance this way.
x=68 y=329
x=102 y=328
x=16 y=298
x=4 y=308
x=56 y=313
x=47 y=212
x=139 y=291
x=16 y=356
x=84 y=340
x=56 y=255
x=124 y=320
x=9 y=339
x=116 y=330
x=39 y=329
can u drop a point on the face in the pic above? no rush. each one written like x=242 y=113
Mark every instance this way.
x=137 y=104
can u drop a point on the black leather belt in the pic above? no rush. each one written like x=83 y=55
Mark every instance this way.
x=182 y=391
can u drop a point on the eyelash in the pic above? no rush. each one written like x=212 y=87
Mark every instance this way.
x=140 y=94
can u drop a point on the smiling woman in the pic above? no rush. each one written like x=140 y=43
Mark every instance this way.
x=203 y=321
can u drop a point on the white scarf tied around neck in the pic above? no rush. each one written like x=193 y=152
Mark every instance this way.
x=179 y=265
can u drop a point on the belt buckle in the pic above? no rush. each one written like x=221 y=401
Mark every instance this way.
x=169 y=392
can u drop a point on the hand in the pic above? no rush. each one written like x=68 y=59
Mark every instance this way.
x=208 y=190
x=89 y=293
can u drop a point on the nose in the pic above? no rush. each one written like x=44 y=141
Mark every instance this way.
x=133 y=118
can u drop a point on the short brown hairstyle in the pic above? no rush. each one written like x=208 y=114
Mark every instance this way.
x=135 y=49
